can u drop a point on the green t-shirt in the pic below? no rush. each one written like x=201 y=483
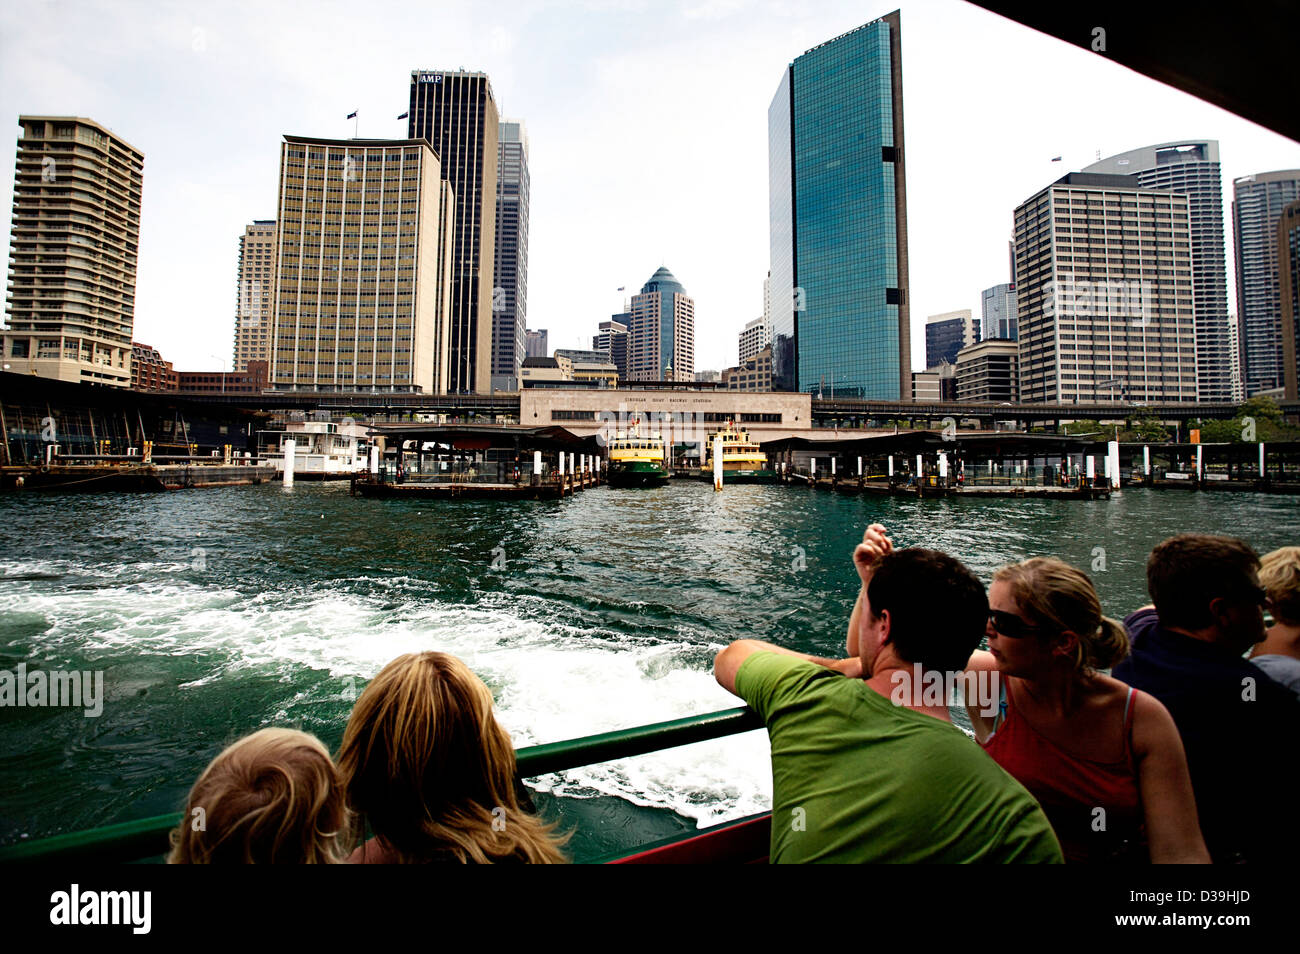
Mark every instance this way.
x=856 y=778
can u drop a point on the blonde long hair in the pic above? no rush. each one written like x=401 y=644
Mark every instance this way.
x=425 y=761
x=1058 y=597
x=273 y=797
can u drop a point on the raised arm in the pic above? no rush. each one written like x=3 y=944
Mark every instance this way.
x=875 y=544
x=1173 y=830
x=728 y=662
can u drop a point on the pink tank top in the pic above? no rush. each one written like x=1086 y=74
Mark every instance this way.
x=1094 y=807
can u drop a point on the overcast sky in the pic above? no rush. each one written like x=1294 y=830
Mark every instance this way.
x=647 y=124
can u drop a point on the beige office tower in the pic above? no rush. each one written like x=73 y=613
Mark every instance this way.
x=1104 y=293
x=362 y=250
x=76 y=233
x=254 y=294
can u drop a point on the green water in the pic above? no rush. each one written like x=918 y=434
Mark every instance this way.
x=216 y=612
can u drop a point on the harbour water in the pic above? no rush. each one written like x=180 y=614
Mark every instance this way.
x=213 y=613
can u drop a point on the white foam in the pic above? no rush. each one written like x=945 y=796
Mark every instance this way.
x=554 y=678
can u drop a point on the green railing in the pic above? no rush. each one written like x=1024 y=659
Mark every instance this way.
x=146 y=838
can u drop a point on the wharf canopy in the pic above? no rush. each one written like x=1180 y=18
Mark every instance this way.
x=482 y=443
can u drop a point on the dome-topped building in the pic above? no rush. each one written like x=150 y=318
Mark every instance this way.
x=661 y=331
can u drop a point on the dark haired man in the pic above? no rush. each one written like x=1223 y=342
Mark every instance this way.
x=1238 y=726
x=864 y=772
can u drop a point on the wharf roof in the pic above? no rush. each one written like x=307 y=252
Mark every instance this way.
x=484 y=436
x=920 y=442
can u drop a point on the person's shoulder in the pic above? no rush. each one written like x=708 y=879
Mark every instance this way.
x=765 y=665
x=1141 y=621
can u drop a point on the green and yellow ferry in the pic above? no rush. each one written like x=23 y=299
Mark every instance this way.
x=742 y=461
x=637 y=461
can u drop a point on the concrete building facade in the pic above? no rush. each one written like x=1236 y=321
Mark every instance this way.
x=1257 y=204
x=1104 y=291
x=838 y=218
x=611 y=339
x=1192 y=168
x=255 y=294
x=986 y=372
x=754 y=338
x=510 y=295
x=535 y=343
x=456 y=113
x=753 y=374
x=661 y=329
x=73 y=252
x=359 y=267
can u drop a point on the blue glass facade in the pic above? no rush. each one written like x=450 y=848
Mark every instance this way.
x=837 y=223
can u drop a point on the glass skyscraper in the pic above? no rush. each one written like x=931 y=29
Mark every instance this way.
x=838 y=210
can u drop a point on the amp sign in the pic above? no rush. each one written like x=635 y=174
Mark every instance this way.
x=430 y=77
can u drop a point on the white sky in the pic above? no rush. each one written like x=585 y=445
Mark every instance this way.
x=647 y=125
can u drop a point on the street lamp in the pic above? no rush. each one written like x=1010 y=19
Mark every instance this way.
x=223 y=370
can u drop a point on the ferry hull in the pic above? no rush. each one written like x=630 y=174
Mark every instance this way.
x=636 y=476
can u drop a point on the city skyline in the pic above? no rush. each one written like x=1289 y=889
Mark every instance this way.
x=213 y=168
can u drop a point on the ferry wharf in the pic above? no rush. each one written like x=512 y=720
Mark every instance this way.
x=478 y=462
x=948 y=464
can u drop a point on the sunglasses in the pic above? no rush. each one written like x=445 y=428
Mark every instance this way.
x=1010 y=625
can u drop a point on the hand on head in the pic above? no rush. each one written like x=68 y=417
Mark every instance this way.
x=874 y=546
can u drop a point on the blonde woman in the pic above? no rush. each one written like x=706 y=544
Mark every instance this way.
x=426 y=764
x=273 y=797
x=1279 y=654
x=1104 y=760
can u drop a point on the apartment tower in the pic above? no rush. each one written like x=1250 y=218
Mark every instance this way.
x=1257 y=204
x=457 y=114
x=1104 y=291
x=361 y=256
x=1192 y=168
x=1288 y=261
x=73 y=252
x=838 y=218
x=254 y=294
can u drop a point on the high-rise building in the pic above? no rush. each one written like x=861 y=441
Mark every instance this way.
x=661 y=329
x=947 y=334
x=457 y=114
x=254 y=294
x=611 y=339
x=75 y=239
x=1257 y=204
x=1288 y=266
x=753 y=339
x=1234 y=345
x=998 y=312
x=360 y=260
x=838 y=218
x=510 y=296
x=1104 y=293
x=1192 y=168
x=535 y=343
x=986 y=372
